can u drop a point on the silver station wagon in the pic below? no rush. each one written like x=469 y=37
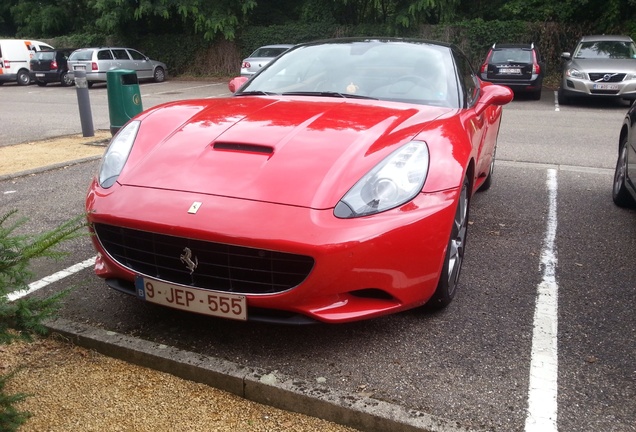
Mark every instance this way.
x=600 y=66
x=98 y=61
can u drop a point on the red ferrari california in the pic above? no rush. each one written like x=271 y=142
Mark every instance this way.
x=332 y=186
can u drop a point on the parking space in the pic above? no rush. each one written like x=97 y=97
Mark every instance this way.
x=32 y=113
x=470 y=363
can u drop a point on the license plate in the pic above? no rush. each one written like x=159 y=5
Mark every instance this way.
x=510 y=71
x=206 y=302
x=605 y=86
x=39 y=74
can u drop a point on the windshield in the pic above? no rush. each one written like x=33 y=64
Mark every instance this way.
x=268 y=52
x=410 y=72
x=44 y=55
x=82 y=55
x=605 y=50
x=512 y=56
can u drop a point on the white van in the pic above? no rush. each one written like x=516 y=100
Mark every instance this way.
x=14 y=59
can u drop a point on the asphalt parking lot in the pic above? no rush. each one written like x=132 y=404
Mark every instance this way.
x=542 y=335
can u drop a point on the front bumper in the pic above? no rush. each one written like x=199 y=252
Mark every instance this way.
x=583 y=87
x=363 y=267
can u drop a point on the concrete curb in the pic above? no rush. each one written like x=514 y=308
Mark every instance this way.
x=269 y=388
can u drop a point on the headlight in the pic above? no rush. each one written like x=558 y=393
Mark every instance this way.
x=575 y=73
x=630 y=76
x=394 y=181
x=117 y=153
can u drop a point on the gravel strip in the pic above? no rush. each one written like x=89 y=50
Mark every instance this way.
x=75 y=389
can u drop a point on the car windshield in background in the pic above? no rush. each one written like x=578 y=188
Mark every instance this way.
x=606 y=50
x=418 y=73
x=44 y=55
x=511 y=56
x=81 y=55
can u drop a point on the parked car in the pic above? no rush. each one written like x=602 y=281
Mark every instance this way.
x=51 y=66
x=518 y=66
x=98 y=61
x=15 y=55
x=261 y=57
x=624 y=188
x=601 y=66
x=333 y=186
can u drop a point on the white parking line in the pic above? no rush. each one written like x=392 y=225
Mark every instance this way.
x=542 y=392
x=556 y=101
x=34 y=286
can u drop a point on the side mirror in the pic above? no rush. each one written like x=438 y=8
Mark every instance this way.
x=236 y=83
x=493 y=95
x=566 y=55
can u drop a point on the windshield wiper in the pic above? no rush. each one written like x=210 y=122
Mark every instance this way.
x=255 y=92
x=327 y=94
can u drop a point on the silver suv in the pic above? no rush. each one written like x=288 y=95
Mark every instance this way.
x=600 y=66
x=98 y=61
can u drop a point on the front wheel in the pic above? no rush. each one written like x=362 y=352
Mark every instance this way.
x=41 y=83
x=620 y=194
x=159 y=75
x=449 y=277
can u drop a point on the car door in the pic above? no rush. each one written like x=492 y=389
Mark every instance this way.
x=105 y=60
x=141 y=64
x=476 y=125
x=122 y=59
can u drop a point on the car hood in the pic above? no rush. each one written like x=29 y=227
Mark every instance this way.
x=305 y=152
x=605 y=65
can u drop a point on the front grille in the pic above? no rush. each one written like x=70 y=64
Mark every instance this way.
x=220 y=267
x=598 y=77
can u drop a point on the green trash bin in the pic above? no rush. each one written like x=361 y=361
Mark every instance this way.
x=124 y=97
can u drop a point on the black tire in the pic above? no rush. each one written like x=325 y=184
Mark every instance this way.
x=449 y=277
x=536 y=95
x=562 y=98
x=620 y=193
x=90 y=84
x=66 y=80
x=488 y=182
x=159 y=75
x=23 y=77
x=41 y=83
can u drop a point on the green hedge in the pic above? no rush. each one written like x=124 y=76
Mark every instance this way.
x=191 y=55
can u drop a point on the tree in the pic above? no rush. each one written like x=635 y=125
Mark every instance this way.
x=210 y=19
x=24 y=317
x=49 y=18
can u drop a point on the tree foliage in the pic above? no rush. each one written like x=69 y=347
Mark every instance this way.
x=23 y=317
x=213 y=20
